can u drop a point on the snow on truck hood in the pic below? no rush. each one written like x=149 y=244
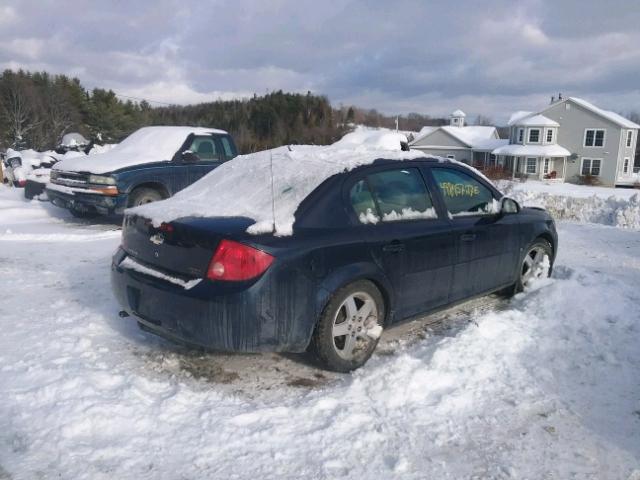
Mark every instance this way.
x=242 y=186
x=147 y=145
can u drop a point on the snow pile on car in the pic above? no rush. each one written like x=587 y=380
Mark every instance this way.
x=147 y=145
x=243 y=186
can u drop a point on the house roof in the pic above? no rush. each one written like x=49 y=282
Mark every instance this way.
x=517 y=116
x=532 y=150
x=537 y=121
x=609 y=115
x=472 y=137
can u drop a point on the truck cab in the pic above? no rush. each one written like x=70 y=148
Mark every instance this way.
x=151 y=164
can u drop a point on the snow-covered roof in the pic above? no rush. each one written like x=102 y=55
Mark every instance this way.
x=241 y=187
x=490 y=144
x=472 y=136
x=517 y=116
x=149 y=144
x=532 y=150
x=609 y=115
x=536 y=121
x=458 y=113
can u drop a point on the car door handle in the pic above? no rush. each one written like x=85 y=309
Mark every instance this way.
x=394 y=246
x=468 y=237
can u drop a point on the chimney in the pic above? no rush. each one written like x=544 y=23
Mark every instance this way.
x=553 y=98
x=559 y=96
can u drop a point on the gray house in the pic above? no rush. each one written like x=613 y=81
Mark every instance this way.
x=469 y=144
x=570 y=139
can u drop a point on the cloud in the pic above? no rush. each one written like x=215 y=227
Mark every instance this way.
x=412 y=55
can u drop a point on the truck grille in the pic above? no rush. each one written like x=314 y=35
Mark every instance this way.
x=70 y=179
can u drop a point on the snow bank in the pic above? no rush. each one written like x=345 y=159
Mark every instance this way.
x=606 y=206
x=147 y=145
x=242 y=187
x=363 y=138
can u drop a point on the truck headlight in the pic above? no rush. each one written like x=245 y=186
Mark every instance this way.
x=102 y=180
x=54 y=174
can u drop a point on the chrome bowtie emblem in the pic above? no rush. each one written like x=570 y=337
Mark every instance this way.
x=157 y=239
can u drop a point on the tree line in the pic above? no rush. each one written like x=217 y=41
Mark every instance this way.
x=37 y=109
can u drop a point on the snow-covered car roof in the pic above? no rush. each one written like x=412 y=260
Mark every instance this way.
x=146 y=145
x=242 y=186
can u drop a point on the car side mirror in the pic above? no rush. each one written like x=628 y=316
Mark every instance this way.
x=189 y=157
x=509 y=205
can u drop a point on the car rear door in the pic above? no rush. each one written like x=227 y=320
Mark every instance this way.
x=407 y=238
x=487 y=241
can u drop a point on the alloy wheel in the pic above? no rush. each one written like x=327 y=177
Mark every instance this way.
x=535 y=265
x=355 y=325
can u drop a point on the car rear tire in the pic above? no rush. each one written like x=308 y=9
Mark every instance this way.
x=349 y=328
x=143 y=195
x=535 y=264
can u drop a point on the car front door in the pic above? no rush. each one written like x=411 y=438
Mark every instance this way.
x=487 y=240
x=407 y=238
x=207 y=154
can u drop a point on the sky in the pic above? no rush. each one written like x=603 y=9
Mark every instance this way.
x=491 y=57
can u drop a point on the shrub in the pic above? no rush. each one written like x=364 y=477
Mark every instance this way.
x=497 y=172
x=589 y=180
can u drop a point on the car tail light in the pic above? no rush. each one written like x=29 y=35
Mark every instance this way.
x=234 y=261
x=22 y=183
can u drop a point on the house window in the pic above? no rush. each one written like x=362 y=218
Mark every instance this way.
x=591 y=166
x=629 y=137
x=550 y=135
x=532 y=165
x=451 y=157
x=520 y=135
x=534 y=135
x=545 y=168
x=594 y=137
x=625 y=165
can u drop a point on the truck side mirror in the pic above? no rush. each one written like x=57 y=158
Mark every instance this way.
x=189 y=157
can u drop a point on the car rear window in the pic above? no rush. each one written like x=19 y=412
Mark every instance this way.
x=392 y=195
x=463 y=194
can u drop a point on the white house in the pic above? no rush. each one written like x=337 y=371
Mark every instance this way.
x=570 y=139
x=469 y=144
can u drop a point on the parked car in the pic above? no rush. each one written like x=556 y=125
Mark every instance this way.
x=151 y=164
x=324 y=254
x=39 y=174
x=14 y=169
x=74 y=142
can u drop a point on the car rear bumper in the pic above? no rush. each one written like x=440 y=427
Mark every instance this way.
x=253 y=319
x=87 y=202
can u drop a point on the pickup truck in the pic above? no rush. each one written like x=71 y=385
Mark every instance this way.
x=151 y=164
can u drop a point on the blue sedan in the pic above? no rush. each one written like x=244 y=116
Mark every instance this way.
x=373 y=245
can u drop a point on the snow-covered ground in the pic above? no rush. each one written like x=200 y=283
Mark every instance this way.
x=546 y=385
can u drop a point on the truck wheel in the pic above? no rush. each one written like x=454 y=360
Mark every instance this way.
x=143 y=195
x=350 y=327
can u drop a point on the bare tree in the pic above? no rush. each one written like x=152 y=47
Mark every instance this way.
x=483 y=121
x=18 y=109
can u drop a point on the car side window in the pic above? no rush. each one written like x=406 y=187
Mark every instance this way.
x=363 y=203
x=392 y=195
x=205 y=148
x=463 y=194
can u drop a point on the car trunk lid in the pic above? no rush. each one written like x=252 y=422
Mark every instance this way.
x=183 y=247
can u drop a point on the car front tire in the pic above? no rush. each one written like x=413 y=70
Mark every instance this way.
x=350 y=327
